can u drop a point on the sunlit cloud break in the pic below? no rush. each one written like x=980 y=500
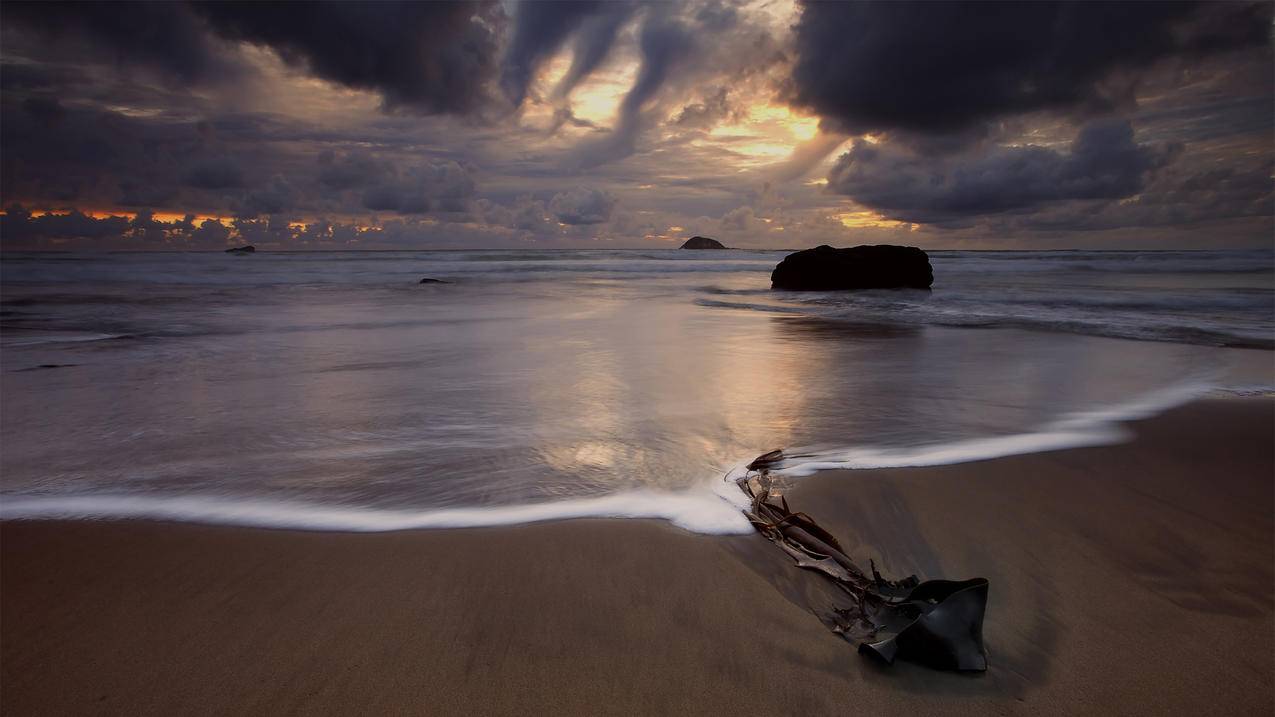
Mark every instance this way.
x=630 y=124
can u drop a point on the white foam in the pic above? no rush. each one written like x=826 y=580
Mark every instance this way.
x=1078 y=430
x=713 y=508
x=702 y=511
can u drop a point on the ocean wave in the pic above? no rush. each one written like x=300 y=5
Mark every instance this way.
x=1096 y=427
x=702 y=511
x=712 y=508
x=1128 y=321
x=11 y=341
x=1197 y=336
x=776 y=308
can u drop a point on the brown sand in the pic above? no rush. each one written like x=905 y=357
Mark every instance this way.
x=1126 y=579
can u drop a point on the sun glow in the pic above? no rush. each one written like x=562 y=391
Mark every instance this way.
x=766 y=133
x=595 y=100
x=165 y=217
x=864 y=219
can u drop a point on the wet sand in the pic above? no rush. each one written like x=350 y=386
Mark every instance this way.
x=1135 y=578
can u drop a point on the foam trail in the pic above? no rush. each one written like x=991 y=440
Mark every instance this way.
x=714 y=508
x=701 y=511
x=1089 y=428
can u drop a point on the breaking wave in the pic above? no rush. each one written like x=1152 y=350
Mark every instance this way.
x=712 y=508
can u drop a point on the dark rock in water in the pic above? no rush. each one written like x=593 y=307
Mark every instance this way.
x=880 y=266
x=242 y=250
x=45 y=366
x=428 y=280
x=702 y=243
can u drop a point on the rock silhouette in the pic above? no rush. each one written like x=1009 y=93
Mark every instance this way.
x=880 y=266
x=702 y=243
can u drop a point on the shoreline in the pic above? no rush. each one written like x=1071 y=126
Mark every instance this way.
x=1134 y=577
x=709 y=510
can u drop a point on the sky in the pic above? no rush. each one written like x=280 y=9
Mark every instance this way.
x=542 y=125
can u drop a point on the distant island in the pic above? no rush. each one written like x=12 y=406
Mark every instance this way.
x=249 y=249
x=702 y=243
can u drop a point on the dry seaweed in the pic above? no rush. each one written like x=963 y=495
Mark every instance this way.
x=937 y=622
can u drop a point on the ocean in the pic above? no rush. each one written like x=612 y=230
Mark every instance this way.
x=332 y=391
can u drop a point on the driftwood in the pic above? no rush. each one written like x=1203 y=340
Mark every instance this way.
x=937 y=622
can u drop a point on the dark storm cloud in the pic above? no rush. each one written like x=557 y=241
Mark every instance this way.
x=665 y=43
x=57 y=156
x=276 y=196
x=593 y=43
x=384 y=186
x=1103 y=162
x=210 y=109
x=429 y=57
x=348 y=171
x=98 y=158
x=142 y=194
x=19 y=229
x=540 y=29
x=215 y=173
x=947 y=67
x=430 y=187
x=1191 y=192
x=18 y=225
x=161 y=37
x=72 y=154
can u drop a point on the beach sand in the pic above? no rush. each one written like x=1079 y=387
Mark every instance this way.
x=1134 y=578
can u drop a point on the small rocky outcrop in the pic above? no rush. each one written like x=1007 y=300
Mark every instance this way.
x=702 y=243
x=428 y=280
x=242 y=250
x=880 y=266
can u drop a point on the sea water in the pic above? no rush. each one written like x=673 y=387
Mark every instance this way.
x=331 y=390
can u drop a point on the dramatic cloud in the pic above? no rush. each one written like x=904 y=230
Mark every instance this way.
x=738 y=219
x=582 y=206
x=160 y=37
x=707 y=113
x=216 y=173
x=430 y=187
x=1103 y=163
x=426 y=56
x=664 y=42
x=192 y=125
x=593 y=43
x=348 y=171
x=17 y=226
x=943 y=67
x=542 y=27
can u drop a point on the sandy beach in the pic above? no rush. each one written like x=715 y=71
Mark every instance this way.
x=637 y=358
x=1134 y=578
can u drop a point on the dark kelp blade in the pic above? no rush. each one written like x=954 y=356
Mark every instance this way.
x=766 y=460
x=938 y=623
x=949 y=636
